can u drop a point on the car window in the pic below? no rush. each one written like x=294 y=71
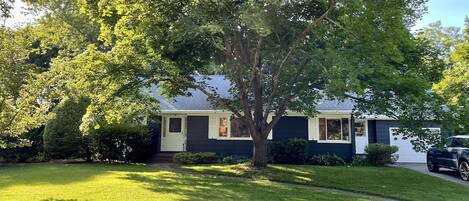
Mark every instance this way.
x=459 y=142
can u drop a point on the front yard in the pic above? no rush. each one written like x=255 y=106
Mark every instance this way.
x=139 y=182
x=398 y=183
x=49 y=181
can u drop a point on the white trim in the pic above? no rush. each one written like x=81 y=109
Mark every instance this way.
x=341 y=130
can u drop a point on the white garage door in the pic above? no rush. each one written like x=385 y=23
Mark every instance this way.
x=406 y=152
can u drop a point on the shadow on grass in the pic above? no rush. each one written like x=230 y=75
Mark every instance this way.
x=197 y=187
x=62 y=174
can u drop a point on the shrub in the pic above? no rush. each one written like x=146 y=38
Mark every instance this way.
x=358 y=160
x=327 y=160
x=31 y=149
x=121 y=142
x=62 y=136
x=294 y=151
x=234 y=159
x=195 y=158
x=380 y=154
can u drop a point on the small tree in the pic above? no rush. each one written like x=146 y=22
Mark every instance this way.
x=62 y=136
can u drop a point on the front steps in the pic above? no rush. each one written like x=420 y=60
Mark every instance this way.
x=162 y=157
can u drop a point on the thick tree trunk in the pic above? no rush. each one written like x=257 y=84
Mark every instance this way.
x=259 y=153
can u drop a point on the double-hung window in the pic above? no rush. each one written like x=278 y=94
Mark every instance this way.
x=334 y=129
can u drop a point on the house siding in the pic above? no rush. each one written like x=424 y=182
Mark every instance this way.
x=197 y=140
x=155 y=132
x=286 y=128
x=382 y=129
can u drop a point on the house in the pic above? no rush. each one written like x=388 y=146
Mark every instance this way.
x=190 y=123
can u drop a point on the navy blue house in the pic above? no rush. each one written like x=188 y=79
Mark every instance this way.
x=190 y=123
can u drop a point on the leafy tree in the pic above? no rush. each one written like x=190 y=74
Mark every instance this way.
x=5 y=7
x=279 y=55
x=14 y=74
x=454 y=87
x=62 y=136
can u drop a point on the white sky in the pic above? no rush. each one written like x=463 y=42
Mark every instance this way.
x=20 y=16
x=449 y=12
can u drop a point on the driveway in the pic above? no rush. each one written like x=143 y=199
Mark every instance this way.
x=444 y=173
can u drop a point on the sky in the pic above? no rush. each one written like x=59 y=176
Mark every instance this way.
x=449 y=12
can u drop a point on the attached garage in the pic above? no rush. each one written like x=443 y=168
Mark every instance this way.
x=384 y=130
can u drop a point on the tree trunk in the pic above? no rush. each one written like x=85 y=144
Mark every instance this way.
x=259 y=153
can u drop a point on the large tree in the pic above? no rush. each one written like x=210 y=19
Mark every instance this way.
x=278 y=55
x=454 y=87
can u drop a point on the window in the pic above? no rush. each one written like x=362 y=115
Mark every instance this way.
x=360 y=129
x=175 y=125
x=223 y=127
x=232 y=128
x=334 y=129
x=238 y=128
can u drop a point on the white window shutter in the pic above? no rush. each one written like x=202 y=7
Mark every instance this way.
x=213 y=126
x=313 y=130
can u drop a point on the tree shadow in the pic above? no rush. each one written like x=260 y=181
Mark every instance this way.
x=60 y=174
x=198 y=187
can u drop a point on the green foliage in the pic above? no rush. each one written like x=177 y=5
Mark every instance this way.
x=62 y=136
x=359 y=161
x=293 y=151
x=380 y=154
x=234 y=159
x=33 y=151
x=121 y=142
x=195 y=158
x=327 y=160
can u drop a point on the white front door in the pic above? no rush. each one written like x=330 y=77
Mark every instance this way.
x=173 y=135
x=361 y=136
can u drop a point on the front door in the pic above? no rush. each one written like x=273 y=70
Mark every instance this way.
x=361 y=136
x=173 y=135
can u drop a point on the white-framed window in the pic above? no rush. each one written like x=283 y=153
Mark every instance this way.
x=361 y=129
x=232 y=127
x=334 y=130
x=224 y=126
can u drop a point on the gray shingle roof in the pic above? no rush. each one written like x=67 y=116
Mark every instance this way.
x=198 y=100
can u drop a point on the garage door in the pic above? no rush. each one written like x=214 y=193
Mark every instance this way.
x=406 y=152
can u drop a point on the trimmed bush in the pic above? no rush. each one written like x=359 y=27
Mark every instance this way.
x=234 y=159
x=380 y=154
x=327 y=160
x=121 y=142
x=294 y=151
x=359 y=160
x=195 y=158
x=62 y=136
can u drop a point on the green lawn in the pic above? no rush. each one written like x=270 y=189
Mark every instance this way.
x=139 y=182
x=386 y=181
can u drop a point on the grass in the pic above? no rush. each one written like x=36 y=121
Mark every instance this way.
x=49 y=181
x=390 y=182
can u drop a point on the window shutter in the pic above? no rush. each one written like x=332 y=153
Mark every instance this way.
x=313 y=129
x=212 y=126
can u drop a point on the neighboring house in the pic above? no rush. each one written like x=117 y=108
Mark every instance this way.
x=190 y=123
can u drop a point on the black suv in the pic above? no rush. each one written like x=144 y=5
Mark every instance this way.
x=454 y=155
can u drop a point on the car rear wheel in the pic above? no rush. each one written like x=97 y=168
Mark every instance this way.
x=464 y=170
x=432 y=167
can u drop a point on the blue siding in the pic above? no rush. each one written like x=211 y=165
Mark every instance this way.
x=197 y=140
x=155 y=131
x=287 y=127
x=290 y=127
x=382 y=129
x=371 y=131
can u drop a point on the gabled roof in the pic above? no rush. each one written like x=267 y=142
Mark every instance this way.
x=199 y=101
